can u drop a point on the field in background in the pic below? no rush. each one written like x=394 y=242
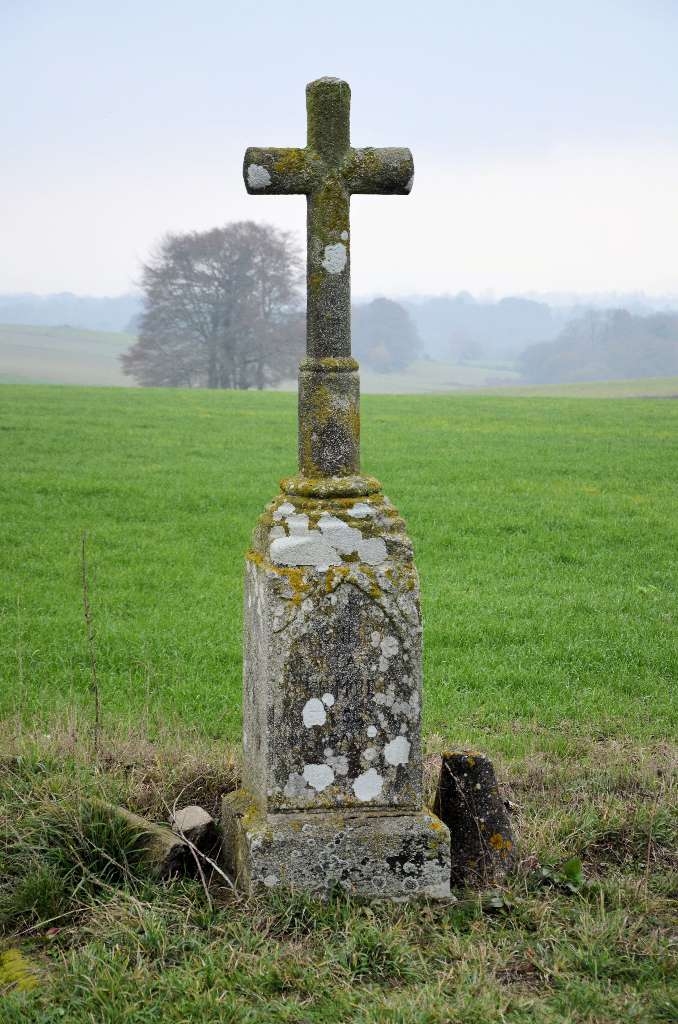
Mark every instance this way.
x=66 y=355
x=62 y=355
x=544 y=532
x=545 y=535
x=427 y=376
x=642 y=387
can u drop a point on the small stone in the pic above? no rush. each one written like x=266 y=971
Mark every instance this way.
x=196 y=825
x=468 y=801
x=163 y=853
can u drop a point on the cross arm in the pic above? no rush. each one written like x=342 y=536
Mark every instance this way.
x=275 y=171
x=371 y=171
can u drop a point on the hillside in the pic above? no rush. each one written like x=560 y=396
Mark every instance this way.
x=62 y=355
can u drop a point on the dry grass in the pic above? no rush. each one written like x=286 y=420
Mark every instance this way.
x=113 y=946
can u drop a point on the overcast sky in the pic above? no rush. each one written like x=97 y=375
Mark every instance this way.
x=545 y=136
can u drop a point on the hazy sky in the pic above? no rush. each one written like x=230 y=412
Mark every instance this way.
x=545 y=135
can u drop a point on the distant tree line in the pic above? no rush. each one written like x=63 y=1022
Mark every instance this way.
x=224 y=309
x=608 y=344
x=384 y=337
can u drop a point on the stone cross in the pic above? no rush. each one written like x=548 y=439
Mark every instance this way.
x=332 y=766
x=328 y=171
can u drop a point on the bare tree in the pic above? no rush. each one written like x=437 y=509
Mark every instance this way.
x=222 y=310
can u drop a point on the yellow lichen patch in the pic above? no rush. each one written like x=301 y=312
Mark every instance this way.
x=314 y=281
x=294 y=575
x=291 y=161
x=499 y=843
x=16 y=971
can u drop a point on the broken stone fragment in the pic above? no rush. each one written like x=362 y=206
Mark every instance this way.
x=156 y=847
x=196 y=825
x=469 y=802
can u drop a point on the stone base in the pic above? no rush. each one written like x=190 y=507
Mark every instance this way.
x=376 y=854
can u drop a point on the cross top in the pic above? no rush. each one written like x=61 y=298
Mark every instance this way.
x=328 y=171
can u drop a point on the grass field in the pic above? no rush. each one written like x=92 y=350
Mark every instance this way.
x=545 y=534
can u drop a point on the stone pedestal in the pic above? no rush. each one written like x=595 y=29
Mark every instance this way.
x=332 y=696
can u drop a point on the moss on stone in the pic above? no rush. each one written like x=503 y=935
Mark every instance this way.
x=291 y=161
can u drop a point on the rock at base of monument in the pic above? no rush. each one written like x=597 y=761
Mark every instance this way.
x=197 y=826
x=396 y=856
x=468 y=800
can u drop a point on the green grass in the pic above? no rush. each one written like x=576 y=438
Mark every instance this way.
x=545 y=535
x=62 y=355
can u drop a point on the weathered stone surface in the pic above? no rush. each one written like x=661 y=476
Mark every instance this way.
x=332 y=661
x=195 y=824
x=387 y=854
x=332 y=657
x=328 y=171
x=469 y=802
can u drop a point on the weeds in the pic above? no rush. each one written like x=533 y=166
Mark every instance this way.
x=106 y=943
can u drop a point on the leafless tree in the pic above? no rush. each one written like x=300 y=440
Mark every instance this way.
x=222 y=310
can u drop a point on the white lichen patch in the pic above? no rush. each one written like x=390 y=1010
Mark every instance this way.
x=375 y=638
x=286 y=509
x=339 y=762
x=319 y=776
x=276 y=531
x=258 y=176
x=323 y=547
x=314 y=713
x=344 y=236
x=371 y=731
x=297 y=524
x=373 y=551
x=328 y=699
x=369 y=785
x=370 y=753
x=343 y=537
x=296 y=788
x=397 y=751
x=334 y=259
x=311 y=549
x=389 y=646
x=361 y=510
x=387 y=698
x=271 y=881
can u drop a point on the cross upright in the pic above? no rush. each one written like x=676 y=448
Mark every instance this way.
x=328 y=171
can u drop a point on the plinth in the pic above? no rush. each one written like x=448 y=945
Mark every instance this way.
x=332 y=772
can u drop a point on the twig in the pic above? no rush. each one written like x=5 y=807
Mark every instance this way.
x=89 y=627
